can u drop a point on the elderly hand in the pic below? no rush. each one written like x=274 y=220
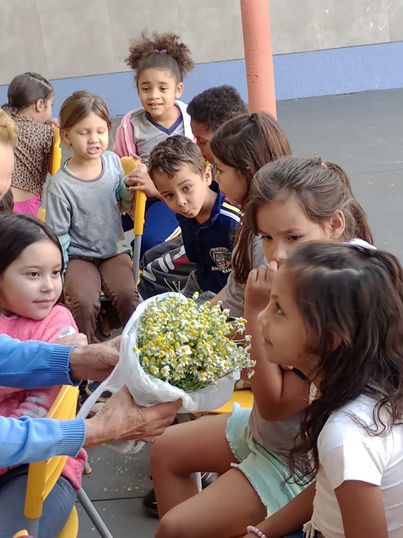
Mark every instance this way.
x=121 y=418
x=95 y=361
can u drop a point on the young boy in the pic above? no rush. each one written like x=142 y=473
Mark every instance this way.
x=207 y=221
x=166 y=266
x=209 y=110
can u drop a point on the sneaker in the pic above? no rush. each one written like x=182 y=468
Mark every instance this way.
x=150 y=502
x=92 y=387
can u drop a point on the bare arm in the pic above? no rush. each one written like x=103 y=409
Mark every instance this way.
x=279 y=394
x=362 y=510
x=291 y=517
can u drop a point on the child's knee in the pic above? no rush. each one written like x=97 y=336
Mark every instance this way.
x=171 y=526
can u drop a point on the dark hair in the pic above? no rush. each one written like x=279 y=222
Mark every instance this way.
x=160 y=51
x=79 y=105
x=322 y=188
x=17 y=232
x=215 y=106
x=25 y=90
x=351 y=301
x=246 y=143
x=7 y=203
x=170 y=154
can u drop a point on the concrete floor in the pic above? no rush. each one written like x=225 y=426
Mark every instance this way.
x=362 y=133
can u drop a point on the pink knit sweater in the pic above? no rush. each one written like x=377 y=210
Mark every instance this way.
x=37 y=402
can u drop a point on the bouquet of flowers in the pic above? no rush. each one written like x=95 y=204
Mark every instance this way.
x=174 y=348
x=189 y=345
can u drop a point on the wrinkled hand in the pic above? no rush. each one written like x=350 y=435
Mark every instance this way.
x=121 y=418
x=258 y=288
x=95 y=361
x=75 y=339
x=140 y=180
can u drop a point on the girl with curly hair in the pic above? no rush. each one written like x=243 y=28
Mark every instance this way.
x=160 y=63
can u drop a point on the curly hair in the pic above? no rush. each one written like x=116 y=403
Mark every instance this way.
x=160 y=51
x=356 y=332
x=168 y=156
x=215 y=106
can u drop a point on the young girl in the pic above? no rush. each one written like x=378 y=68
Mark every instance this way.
x=30 y=287
x=84 y=202
x=350 y=345
x=241 y=147
x=290 y=201
x=160 y=63
x=30 y=101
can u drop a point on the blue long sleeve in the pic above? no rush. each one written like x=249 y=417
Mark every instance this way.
x=27 y=440
x=33 y=364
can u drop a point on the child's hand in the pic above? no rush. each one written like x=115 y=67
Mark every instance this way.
x=139 y=180
x=53 y=121
x=258 y=288
x=76 y=339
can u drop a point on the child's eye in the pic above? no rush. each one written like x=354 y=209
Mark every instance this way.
x=278 y=310
x=33 y=274
x=164 y=89
x=186 y=188
x=294 y=237
x=56 y=273
x=168 y=196
x=266 y=237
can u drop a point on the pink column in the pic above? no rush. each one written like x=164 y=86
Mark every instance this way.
x=258 y=55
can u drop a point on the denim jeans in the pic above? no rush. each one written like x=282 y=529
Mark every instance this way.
x=56 y=508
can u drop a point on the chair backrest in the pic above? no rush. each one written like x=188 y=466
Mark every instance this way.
x=56 y=153
x=42 y=476
x=139 y=210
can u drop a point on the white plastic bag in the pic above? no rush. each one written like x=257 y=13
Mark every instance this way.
x=148 y=390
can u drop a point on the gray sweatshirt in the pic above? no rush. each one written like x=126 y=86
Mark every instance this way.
x=85 y=214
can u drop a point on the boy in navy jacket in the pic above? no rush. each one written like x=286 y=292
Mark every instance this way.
x=207 y=220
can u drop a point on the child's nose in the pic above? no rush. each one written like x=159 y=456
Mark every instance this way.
x=278 y=255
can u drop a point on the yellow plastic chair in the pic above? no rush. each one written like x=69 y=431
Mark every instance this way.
x=139 y=209
x=56 y=153
x=42 y=476
x=242 y=397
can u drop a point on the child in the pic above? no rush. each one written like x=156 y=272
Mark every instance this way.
x=350 y=345
x=211 y=109
x=30 y=102
x=241 y=147
x=83 y=207
x=30 y=287
x=160 y=63
x=291 y=201
x=207 y=222
x=166 y=266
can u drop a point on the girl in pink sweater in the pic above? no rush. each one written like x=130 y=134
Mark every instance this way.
x=30 y=287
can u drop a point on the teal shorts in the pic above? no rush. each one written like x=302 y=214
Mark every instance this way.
x=265 y=471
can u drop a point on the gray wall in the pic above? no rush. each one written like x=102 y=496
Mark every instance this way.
x=72 y=38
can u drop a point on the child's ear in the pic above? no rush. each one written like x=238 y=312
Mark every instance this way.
x=179 y=90
x=207 y=174
x=39 y=105
x=64 y=134
x=337 y=225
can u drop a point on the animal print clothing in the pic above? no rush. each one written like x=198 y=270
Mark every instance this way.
x=32 y=154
